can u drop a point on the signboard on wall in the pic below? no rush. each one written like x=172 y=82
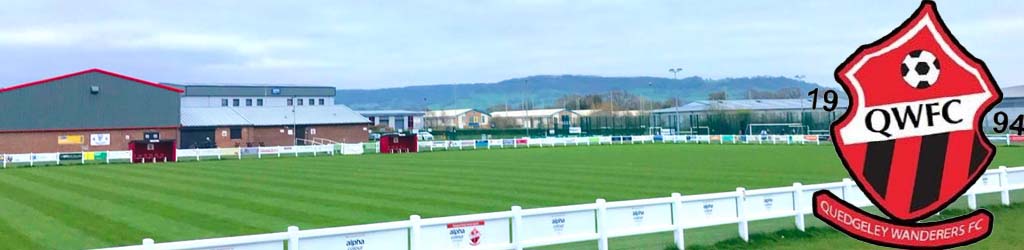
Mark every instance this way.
x=575 y=130
x=69 y=139
x=99 y=140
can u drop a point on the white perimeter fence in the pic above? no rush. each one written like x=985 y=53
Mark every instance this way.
x=83 y=157
x=521 y=228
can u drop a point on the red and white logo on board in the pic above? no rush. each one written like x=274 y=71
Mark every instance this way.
x=912 y=138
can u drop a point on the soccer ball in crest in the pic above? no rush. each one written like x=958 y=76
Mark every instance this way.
x=920 y=69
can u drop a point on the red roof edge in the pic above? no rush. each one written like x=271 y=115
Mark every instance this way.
x=96 y=70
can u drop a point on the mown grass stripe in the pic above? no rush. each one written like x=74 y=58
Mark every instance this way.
x=25 y=228
x=207 y=223
x=250 y=200
x=68 y=208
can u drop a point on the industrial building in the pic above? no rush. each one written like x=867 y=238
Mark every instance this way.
x=253 y=95
x=1012 y=105
x=537 y=118
x=89 y=110
x=776 y=116
x=97 y=110
x=228 y=127
x=457 y=118
x=395 y=120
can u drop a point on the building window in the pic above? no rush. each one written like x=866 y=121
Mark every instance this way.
x=312 y=101
x=321 y=101
x=236 y=133
x=290 y=102
x=300 y=101
x=248 y=102
x=259 y=102
x=234 y=102
x=224 y=102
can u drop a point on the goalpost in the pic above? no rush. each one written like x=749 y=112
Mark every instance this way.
x=777 y=128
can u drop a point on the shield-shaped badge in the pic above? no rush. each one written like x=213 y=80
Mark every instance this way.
x=912 y=138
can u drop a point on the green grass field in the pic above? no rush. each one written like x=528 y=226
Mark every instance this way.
x=73 y=207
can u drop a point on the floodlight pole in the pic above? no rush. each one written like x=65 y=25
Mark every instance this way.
x=295 y=130
x=526 y=108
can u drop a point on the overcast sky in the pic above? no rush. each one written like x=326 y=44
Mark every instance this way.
x=375 y=44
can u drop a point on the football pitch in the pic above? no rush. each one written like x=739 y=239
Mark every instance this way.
x=74 y=207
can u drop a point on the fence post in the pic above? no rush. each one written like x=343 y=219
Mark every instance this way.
x=259 y=154
x=108 y=156
x=279 y=149
x=847 y=186
x=58 y=158
x=414 y=232
x=83 y=157
x=3 y=158
x=517 y=227
x=798 y=194
x=31 y=159
x=972 y=199
x=602 y=225
x=677 y=219
x=293 y=238
x=240 y=153
x=1004 y=183
x=1008 y=139
x=148 y=243
x=741 y=214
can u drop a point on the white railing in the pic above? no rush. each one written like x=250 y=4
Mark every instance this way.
x=626 y=139
x=83 y=157
x=351 y=149
x=519 y=228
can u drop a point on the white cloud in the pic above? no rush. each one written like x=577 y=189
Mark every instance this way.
x=263 y=63
x=207 y=42
x=37 y=37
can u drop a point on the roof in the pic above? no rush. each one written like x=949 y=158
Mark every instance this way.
x=1013 y=92
x=255 y=90
x=531 y=113
x=389 y=112
x=93 y=70
x=449 y=112
x=211 y=116
x=593 y=112
x=746 y=104
x=269 y=116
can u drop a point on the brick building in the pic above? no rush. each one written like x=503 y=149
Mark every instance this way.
x=91 y=110
x=224 y=127
x=98 y=110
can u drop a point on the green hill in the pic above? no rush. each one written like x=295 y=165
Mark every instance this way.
x=542 y=91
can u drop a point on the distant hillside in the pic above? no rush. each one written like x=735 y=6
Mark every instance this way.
x=544 y=90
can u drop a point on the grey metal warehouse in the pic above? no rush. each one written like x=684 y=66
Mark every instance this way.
x=91 y=110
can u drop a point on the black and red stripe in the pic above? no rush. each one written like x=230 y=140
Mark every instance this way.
x=911 y=174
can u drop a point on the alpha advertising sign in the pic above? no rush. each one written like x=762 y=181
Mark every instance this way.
x=555 y=225
x=638 y=217
x=378 y=240
x=467 y=234
x=912 y=138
